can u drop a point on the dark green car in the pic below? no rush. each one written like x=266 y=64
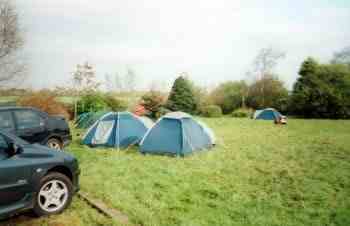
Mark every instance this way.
x=35 y=177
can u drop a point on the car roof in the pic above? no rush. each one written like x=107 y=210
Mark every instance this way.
x=17 y=108
x=11 y=108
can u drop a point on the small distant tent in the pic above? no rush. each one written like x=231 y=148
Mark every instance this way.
x=267 y=114
x=179 y=134
x=116 y=129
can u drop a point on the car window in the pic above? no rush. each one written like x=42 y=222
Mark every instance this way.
x=3 y=147
x=6 y=121
x=3 y=142
x=27 y=119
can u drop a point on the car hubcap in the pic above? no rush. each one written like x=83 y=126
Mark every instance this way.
x=53 y=196
x=54 y=145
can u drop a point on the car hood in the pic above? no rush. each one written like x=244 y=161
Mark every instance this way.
x=40 y=151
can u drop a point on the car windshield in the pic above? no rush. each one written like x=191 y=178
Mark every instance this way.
x=16 y=139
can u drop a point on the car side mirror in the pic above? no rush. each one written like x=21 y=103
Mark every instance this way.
x=14 y=149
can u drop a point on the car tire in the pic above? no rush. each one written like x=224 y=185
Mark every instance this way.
x=54 y=144
x=54 y=194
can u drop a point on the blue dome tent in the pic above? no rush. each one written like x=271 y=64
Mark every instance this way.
x=267 y=114
x=178 y=134
x=116 y=129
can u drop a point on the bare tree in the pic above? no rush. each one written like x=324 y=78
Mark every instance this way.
x=126 y=83
x=109 y=83
x=263 y=65
x=118 y=82
x=130 y=80
x=266 y=61
x=11 y=41
x=84 y=80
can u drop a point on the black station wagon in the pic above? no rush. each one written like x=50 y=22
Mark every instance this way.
x=35 y=126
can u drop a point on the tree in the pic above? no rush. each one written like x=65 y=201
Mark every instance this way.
x=263 y=66
x=119 y=83
x=273 y=94
x=130 y=80
x=266 y=61
x=11 y=41
x=300 y=101
x=342 y=57
x=182 y=96
x=109 y=83
x=322 y=91
x=229 y=95
x=153 y=102
x=84 y=80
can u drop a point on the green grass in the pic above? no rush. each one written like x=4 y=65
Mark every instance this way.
x=259 y=174
x=66 y=99
x=7 y=98
x=127 y=97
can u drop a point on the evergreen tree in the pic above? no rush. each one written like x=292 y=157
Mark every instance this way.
x=303 y=87
x=322 y=91
x=182 y=97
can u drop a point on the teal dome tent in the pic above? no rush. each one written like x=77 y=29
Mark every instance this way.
x=178 y=134
x=267 y=114
x=117 y=129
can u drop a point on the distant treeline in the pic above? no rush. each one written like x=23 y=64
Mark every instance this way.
x=321 y=91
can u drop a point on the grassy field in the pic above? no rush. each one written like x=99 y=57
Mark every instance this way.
x=127 y=97
x=259 y=174
x=79 y=214
x=7 y=99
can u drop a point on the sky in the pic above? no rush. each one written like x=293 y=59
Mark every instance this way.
x=211 y=40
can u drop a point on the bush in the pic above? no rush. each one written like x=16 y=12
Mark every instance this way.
x=115 y=104
x=228 y=95
x=241 y=113
x=91 y=103
x=45 y=102
x=162 y=111
x=268 y=92
x=99 y=102
x=153 y=103
x=211 y=111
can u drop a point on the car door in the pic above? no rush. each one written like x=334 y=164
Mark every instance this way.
x=6 y=122
x=30 y=126
x=15 y=172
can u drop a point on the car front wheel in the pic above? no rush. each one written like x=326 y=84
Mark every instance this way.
x=54 y=194
x=54 y=144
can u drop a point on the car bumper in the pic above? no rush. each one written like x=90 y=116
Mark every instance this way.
x=76 y=181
